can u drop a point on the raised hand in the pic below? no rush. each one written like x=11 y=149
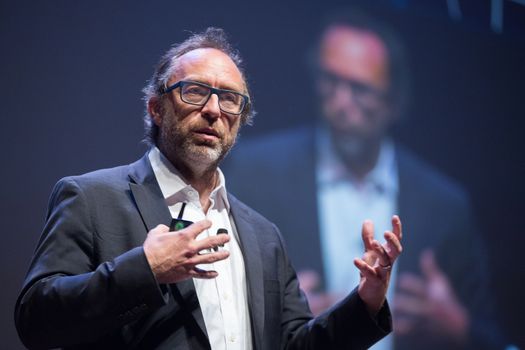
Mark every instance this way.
x=174 y=255
x=428 y=303
x=376 y=264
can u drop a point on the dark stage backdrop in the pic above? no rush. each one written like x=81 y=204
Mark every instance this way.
x=72 y=72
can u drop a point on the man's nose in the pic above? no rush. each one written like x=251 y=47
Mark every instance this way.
x=211 y=109
x=343 y=96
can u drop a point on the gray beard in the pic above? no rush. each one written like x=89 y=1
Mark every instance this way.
x=358 y=155
x=201 y=154
x=197 y=157
x=176 y=145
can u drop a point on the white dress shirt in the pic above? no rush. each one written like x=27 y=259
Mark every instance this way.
x=344 y=203
x=223 y=300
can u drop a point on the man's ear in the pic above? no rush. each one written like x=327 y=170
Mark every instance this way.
x=154 y=110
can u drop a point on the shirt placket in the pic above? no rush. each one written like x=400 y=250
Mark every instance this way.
x=224 y=286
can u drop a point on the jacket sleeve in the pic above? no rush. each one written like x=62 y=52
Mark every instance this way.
x=69 y=298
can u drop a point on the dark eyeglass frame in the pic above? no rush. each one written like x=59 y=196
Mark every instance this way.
x=181 y=83
x=359 y=88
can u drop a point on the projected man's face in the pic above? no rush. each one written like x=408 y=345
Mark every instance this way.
x=353 y=84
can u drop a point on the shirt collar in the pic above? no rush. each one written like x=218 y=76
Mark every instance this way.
x=331 y=169
x=175 y=188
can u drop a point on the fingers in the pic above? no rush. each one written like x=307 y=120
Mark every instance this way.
x=202 y=259
x=192 y=268
x=196 y=228
x=365 y=269
x=393 y=246
x=175 y=256
x=412 y=284
x=367 y=234
x=209 y=243
x=203 y=274
x=192 y=231
x=393 y=238
x=429 y=266
x=410 y=305
x=377 y=256
x=381 y=254
x=208 y=258
x=396 y=227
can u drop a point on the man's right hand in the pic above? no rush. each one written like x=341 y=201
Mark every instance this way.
x=174 y=255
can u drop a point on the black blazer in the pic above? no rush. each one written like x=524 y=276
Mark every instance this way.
x=90 y=286
x=275 y=174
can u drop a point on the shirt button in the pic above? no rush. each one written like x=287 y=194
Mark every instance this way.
x=226 y=296
x=232 y=338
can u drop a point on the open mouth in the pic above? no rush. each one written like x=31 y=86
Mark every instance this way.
x=207 y=133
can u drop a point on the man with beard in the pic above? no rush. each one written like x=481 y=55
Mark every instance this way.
x=157 y=254
x=347 y=168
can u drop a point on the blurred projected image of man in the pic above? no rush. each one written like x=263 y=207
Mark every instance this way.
x=347 y=168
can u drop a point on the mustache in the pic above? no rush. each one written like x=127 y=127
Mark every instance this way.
x=207 y=130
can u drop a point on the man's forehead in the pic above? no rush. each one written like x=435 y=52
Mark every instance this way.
x=348 y=38
x=355 y=53
x=209 y=64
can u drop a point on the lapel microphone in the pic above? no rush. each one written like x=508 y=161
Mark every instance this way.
x=178 y=223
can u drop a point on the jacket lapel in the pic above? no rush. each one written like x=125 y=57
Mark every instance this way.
x=154 y=211
x=147 y=194
x=253 y=265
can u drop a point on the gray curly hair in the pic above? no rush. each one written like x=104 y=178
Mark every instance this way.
x=211 y=38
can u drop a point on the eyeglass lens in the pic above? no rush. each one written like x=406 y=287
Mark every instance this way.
x=229 y=101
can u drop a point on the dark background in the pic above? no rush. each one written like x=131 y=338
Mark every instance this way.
x=72 y=74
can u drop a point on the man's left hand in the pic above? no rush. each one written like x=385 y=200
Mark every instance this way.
x=376 y=264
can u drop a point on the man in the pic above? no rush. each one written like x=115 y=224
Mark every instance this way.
x=110 y=272
x=347 y=169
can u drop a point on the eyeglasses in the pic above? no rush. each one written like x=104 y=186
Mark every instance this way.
x=194 y=93
x=364 y=93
